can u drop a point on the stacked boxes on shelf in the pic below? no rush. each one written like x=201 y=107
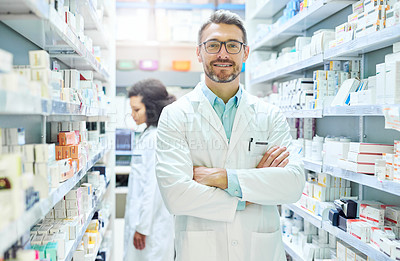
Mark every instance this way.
x=367 y=17
x=310 y=242
x=378 y=224
x=362 y=156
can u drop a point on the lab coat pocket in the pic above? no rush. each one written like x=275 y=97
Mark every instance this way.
x=267 y=246
x=258 y=148
x=198 y=246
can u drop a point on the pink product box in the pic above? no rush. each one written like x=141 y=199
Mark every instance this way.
x=148 y=65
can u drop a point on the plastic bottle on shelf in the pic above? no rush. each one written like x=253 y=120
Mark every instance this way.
x=317 y=146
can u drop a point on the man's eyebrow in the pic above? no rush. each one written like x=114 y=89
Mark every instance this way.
x=215 y=39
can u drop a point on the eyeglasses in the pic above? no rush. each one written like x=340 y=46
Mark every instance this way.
x=214 y=46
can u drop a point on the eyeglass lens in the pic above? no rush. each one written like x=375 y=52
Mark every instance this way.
x=232 y=47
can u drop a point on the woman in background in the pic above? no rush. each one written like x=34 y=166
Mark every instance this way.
x=149 y=230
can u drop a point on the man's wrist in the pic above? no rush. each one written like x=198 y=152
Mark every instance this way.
x=222 y=179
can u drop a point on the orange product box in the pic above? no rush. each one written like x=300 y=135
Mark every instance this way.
x=181 y=66
x=66 y=152
x=75 y=151
x=59 y=152
x=79 y=163
x=66 y=138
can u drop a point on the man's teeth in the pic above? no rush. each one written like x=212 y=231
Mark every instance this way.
x=223 y=65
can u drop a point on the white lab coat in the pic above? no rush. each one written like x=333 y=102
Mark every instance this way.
x=208 y=226
x=145 y=210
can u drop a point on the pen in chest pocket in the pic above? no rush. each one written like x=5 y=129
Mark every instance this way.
x=264 y=143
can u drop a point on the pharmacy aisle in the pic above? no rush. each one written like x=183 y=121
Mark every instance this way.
x=57 y=89
x=333 y=68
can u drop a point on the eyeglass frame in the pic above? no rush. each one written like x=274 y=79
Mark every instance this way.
x=223 y=43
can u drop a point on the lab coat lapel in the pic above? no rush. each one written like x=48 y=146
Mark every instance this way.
x=208 y=114
x=244 y=115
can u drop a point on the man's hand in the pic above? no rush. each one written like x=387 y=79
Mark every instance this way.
x=139 y=241
x=213 y=177
x=274 y=157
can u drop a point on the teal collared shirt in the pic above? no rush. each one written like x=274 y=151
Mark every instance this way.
x=226 y=113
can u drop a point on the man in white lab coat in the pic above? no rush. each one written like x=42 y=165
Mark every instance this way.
x=223 y=161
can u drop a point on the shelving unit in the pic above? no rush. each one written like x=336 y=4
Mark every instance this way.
x=52 y=34
x=365 y=44
x=301 y=22
x=388 y=186
x=72 y=245
x=37 y=25
x=366 y=248
x=17 y=228
x=369 y=50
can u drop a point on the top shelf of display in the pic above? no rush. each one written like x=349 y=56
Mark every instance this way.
x=314 y=14
x=267 y=9
x=39 y=8
x=50 y=32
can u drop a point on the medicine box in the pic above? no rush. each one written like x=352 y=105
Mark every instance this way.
x=370 y=148
x=39 y=59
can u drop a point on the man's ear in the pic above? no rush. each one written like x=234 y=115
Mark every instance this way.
x=246 y=53
x=198 y=54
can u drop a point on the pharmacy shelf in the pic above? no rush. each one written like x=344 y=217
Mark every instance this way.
x=306 y=214
x=304 y=114
x=54 y=35
x=294 y=253
x=17 y=103
x=93 y=27
x=38 y=8
x=102 y=233
x=366 y=248
x=364 y=179
x=356 y=110
x=312 y=165
x=319 y=11
x=371 y=42
x=72 y=245
x=12 y=232
x=268 y=9
x=290 y=70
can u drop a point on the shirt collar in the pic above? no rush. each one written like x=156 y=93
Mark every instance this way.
x=211 y=97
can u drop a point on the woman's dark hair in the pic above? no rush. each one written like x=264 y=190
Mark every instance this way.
x=154 y=97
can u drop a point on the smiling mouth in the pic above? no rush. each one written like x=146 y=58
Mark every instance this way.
x=223 y=65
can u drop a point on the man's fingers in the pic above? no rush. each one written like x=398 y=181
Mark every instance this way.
x=283 y=163
x=266 y=155
x=273 y=156
x=280 y=158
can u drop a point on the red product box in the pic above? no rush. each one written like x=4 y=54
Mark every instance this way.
x=66 y=138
